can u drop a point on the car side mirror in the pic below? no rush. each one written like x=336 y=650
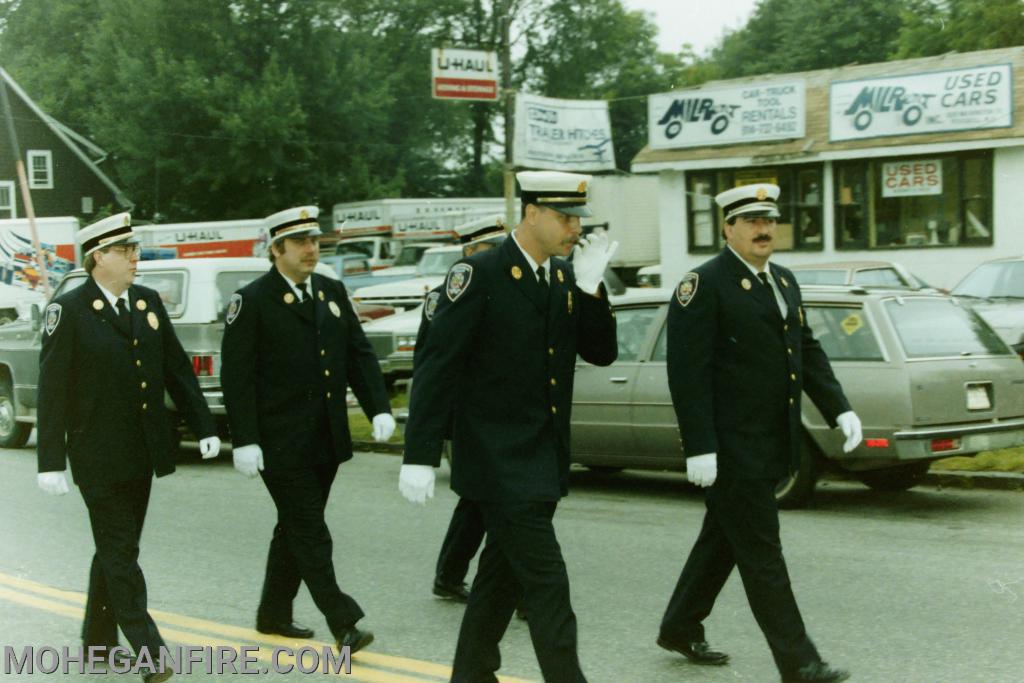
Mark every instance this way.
x=37 y=317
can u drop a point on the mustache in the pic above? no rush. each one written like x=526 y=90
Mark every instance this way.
x=763 y=238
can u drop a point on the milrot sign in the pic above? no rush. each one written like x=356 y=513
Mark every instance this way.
x=464 y=74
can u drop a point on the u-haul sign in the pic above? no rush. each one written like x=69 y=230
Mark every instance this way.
x=464 y=74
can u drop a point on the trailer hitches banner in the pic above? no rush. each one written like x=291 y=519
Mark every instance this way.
x=563 y=135
x=464 y=74
x=727 y=116
x=964 y=99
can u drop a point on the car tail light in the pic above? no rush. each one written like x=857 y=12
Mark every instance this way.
x=939 y=445
x=876 y=443
x=202 y=366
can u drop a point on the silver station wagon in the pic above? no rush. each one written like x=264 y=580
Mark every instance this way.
x=927 y=376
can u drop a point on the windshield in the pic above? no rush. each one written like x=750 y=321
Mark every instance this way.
x=939 y=328
x=437 y=262
x=170 y=285
x=994 y=280
x=356 y=248
x=410 y=255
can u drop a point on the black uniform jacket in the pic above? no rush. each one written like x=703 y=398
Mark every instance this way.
x=500 y=360
x=283 y=368
x=101 y=389
x=736 y=369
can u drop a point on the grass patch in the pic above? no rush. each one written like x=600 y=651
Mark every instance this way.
x=1005 y=460
x=361 y=428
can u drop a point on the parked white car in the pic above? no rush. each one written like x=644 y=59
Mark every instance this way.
x=404 y=294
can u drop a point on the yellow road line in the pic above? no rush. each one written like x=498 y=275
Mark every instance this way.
x=406 y=664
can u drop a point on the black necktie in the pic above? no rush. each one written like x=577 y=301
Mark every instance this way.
x=543 y=282
x=771 y=291
x=303 y=287
x=123 y=315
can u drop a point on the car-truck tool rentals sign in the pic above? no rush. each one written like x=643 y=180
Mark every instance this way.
x=726 y=116
x=464 y=74
x=965 y=99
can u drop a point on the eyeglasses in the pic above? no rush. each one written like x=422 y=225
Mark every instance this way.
x=126 y=249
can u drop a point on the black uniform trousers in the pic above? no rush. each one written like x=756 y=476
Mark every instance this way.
x=465 y=534
x=521 y=550
x=117 y=589
x=741 y=529
x=301 y=549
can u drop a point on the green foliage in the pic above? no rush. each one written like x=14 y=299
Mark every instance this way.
x=932 y=28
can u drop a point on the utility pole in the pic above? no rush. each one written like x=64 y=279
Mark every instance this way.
x=511 y=218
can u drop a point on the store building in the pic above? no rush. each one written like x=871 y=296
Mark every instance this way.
x=917 y=161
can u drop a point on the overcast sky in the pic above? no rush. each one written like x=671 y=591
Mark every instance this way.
x=698 y=22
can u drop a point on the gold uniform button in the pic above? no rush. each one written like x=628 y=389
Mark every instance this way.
x=322 y=353
x=554 y=410
x=144 y=385
x=789 y=351
x=792 y=376
x=791 y=401
x=328 y=394
x=138 y=363
x=135 y=342
x=786 y=328
x=553 y=382
x=144 y=406
x=551 y=350
x=327 y=373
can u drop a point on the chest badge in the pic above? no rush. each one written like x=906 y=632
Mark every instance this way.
x=745 y=283
x=687 y=288
x=97 y=305
x=334 y=309
x=153 y=321
x=561 y=278
x=517 y=272
x=289 y=298
x=140 y=304
x=570 y=298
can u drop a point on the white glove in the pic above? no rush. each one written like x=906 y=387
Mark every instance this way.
x=209 y=447
x=383 y=427
x=590 y=258
x=248 y=459
x=416 y=482
x=53 y=483
x=702 y=470
x=850 y=424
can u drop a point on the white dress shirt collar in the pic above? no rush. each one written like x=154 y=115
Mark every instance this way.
x=533 y=264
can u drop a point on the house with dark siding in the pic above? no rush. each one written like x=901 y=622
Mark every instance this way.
x=62 y=166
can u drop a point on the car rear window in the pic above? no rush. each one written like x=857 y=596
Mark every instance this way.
x=878 y=277
x=170 y=285
x=844 y=332
x=941 y=328
x=820 y=277
x=230 y=281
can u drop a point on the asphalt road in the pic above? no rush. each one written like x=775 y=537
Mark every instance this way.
x=923 y=586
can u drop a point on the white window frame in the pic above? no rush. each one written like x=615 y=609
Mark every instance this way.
x=33 y=154
x=13 y=208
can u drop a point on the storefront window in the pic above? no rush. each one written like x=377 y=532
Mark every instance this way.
x=800 y=203
x=914 y=202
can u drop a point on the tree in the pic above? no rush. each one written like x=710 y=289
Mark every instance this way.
x=932 y=28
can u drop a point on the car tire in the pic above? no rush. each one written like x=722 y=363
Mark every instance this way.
x=899 y=478
x=796 y=490
x=13 y=434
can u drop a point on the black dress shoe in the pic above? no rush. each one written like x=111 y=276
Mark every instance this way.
x=355 y=640
x=818 y=672
x=284 y=628
x=697 y=651
x=451 y=591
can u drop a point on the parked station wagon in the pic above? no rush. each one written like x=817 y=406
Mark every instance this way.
x=927 y=376
x=195 y=293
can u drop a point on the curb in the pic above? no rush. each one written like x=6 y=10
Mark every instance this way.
x=1000 y=481
x=374 y=447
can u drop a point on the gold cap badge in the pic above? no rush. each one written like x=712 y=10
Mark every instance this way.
x=303 y=214
x=582 y=187
x=762 y=194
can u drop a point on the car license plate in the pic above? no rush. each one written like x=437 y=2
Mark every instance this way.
x=977 y=398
